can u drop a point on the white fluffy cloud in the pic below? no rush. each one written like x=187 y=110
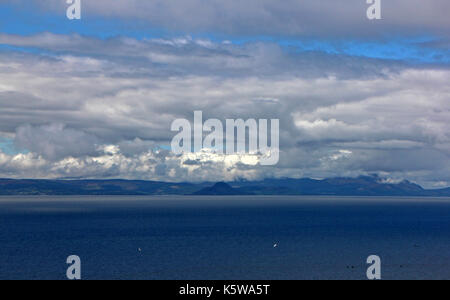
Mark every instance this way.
x=103 y=109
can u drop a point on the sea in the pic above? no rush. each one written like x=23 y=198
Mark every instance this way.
x=224 y=238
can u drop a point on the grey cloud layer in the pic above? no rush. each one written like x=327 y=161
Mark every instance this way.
x=333 y=18
x=93 y=108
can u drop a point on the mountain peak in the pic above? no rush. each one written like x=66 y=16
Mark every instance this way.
x=220 y=188
x=222 y=185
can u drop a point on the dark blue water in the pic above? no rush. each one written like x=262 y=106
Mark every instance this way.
x=224 y=237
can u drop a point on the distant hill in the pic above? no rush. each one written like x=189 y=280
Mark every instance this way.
x=360 y=186
x=95 y=187
x=222 y=189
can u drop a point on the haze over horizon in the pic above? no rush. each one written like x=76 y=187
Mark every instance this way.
x=95 y=98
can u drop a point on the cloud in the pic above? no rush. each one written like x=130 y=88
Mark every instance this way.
x=121 y=56
x=54 y=141
x=326 y=18
x=95 y=108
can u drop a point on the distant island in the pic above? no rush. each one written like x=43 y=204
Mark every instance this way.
x=360 y=186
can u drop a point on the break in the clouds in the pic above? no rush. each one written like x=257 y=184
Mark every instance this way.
x=81 y=106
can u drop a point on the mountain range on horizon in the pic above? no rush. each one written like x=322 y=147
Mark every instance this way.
x=360 y=186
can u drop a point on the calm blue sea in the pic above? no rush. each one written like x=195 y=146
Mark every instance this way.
x=224 y=237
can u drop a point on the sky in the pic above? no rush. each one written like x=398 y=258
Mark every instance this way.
x=95 y=98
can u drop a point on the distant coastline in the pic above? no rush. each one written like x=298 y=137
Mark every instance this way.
x=360 y=186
